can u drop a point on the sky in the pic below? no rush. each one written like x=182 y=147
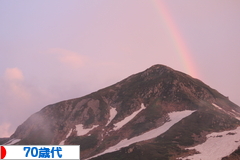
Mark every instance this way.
x=62 y=49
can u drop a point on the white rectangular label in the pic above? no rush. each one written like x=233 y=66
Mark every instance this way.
x=64 y=152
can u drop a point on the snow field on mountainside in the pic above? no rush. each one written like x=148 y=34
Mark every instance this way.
x=129 y=118
x=12 y=141
x=113 y=113
x=217 y=145
x=81 y=131
x=174 y=118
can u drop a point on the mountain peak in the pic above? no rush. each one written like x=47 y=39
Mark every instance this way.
x=174 y=109
x=159 y=66
x=158 y=69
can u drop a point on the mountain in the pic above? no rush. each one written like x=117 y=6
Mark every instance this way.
x=159 y=113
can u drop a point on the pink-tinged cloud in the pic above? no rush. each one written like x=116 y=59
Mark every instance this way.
x=69 y=58
x=19 y=98
x=14 y=74
x=4 y=130
x=14 y=81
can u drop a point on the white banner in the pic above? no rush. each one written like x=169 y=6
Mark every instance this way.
x=64 y=152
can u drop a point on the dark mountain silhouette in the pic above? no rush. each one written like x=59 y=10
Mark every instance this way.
x=159 y=113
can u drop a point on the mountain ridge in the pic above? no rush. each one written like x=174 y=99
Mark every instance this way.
x=140 y=103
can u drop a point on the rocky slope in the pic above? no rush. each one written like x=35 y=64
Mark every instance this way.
x=159 y=113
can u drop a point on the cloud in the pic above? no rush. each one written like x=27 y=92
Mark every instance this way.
x=69 y=58
x=4 y=130
x=15 y=100
x=14 y=74
x=14 y=84
x=19 y=98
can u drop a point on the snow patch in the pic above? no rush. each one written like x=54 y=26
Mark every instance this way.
x=63 y=141
x=81 y=131
x=217 y=106
x=113 y=113
x=236 y=114
x=237 y=118
x=69 y=133
x=12 y=141
x=217 y=145
x=174 y=118
x=127 y=119
x=233 y=113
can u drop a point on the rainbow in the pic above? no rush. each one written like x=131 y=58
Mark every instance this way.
x=178 y=40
